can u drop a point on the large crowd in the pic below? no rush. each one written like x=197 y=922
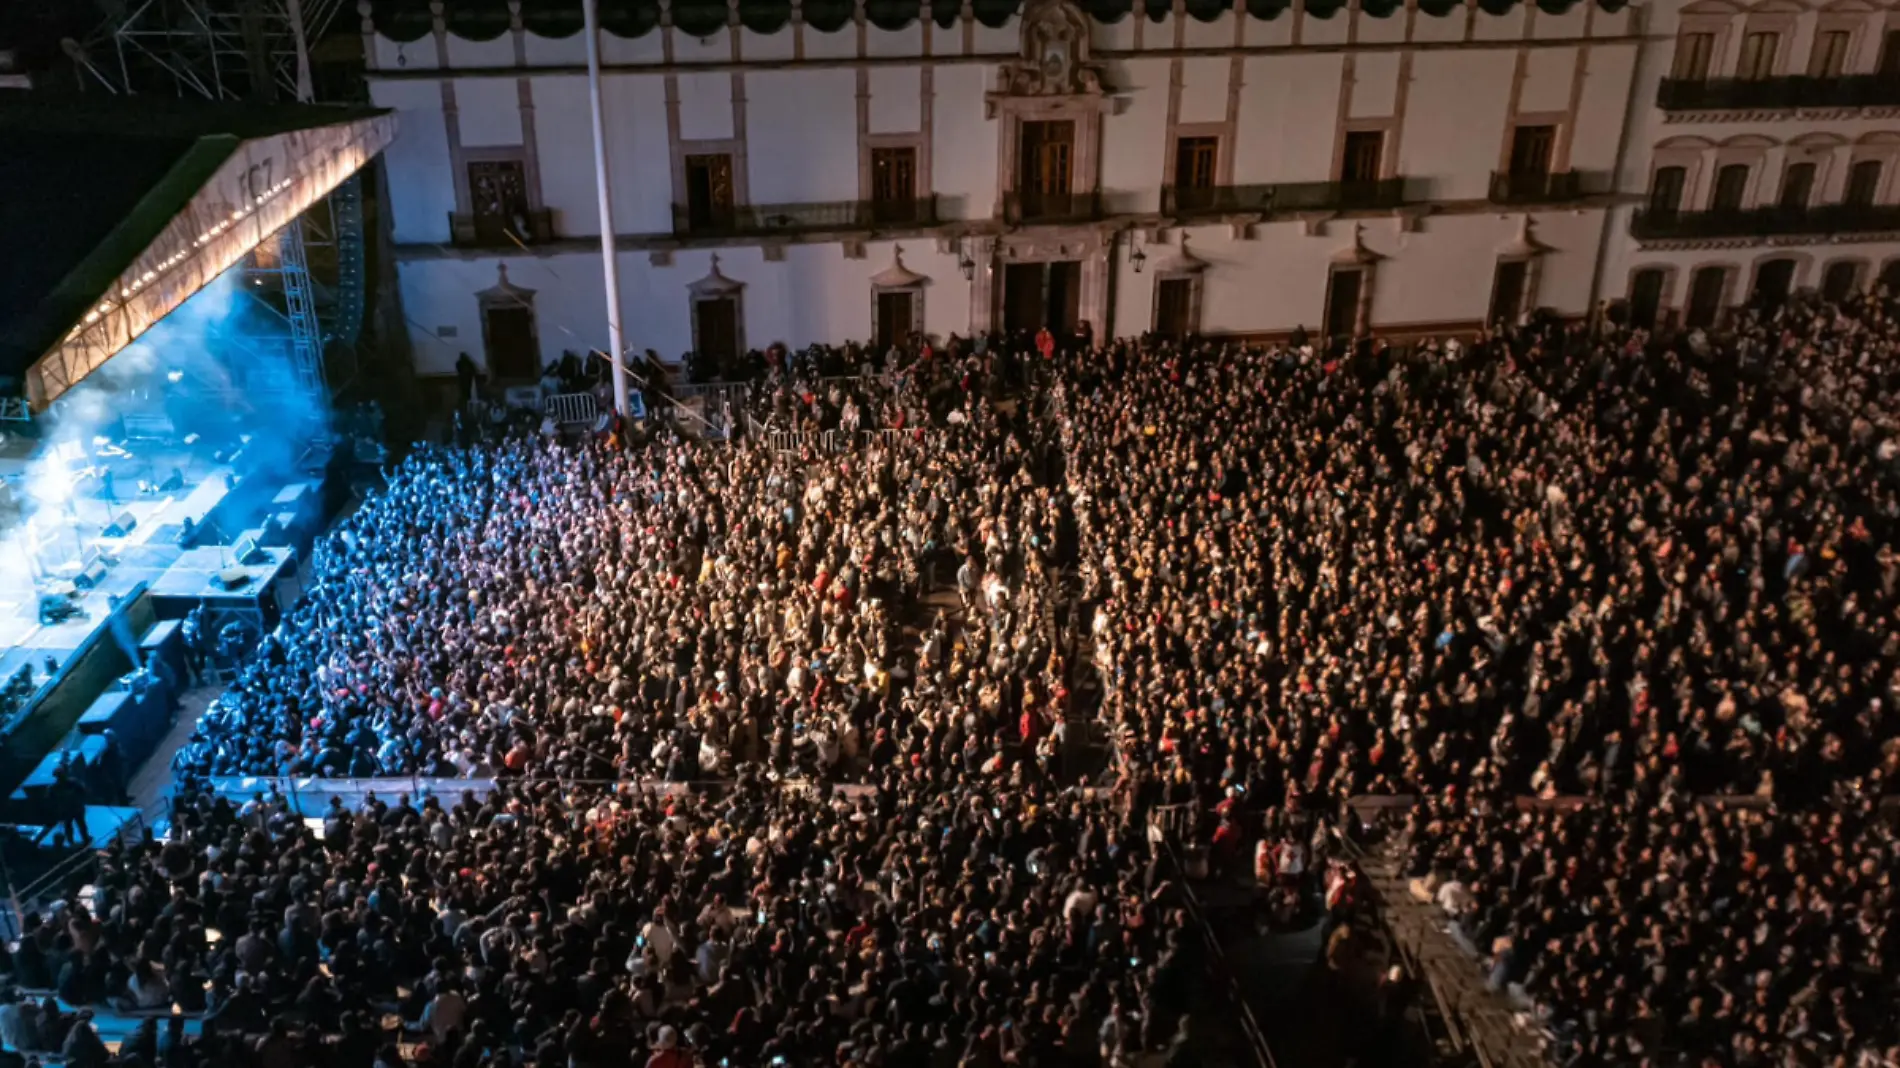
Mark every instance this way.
x=1619 y=610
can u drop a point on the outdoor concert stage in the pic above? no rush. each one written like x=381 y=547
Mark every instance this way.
x=148 y=463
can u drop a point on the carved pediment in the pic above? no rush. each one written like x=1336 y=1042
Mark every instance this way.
x=1055 y=54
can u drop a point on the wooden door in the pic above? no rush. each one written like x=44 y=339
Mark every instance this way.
x=1840 y=280
x=498 y=200
x=1063 y=304
x=1194 y=162
x=709 y=196
x=1022 y=296
x=514 y=354
x=1646 y=292
x=894 y=323
x=1044 y=166
x=1705 y=296
x=1342 y=302
x=1507 y=292
x=894 y=185
x=1774 y=280
x=717 y=323
x=1174 y=307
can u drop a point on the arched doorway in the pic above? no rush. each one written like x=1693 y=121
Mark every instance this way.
x=1705 y=295
x=1774 y=280
x=1646 y=295
x=1840 y=280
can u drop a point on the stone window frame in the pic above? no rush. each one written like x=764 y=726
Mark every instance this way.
x=1560 y=123
x=1803 y=269
x=505 y=294
x=1223 y=135
x=1863 y=272
x=1689 y=153
x=716 y=286
x=868 y=145
x=1731 y=275
x=1882 y=146
x=1781 y=22
x=1716 y=20
x=1084 y=111
x=1820 y=149
x=1749 y=150
x=530 y=173
x=1854 y=23
x=711 y=146
x=1666 y=303
x=1193 y=271
x=1388 y=159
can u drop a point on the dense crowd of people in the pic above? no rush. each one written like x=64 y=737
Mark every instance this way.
x=1621 y=611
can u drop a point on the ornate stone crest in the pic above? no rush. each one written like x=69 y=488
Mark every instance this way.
x=1055 y=55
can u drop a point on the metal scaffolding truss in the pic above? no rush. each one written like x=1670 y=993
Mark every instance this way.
x=218 y=49
x=255 y=50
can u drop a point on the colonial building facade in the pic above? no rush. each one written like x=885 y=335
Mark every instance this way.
x=827 y=170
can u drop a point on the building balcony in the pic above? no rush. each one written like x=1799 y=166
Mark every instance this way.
x=1824 y=219
x=1282 y=197
x=762 y=220
x=1552 y=188
x=1048 y=208
x=1777 y=94
x=468 y=230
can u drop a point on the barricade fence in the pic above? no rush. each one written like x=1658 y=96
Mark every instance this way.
x=572 y=409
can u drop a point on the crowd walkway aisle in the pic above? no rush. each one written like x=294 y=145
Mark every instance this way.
x=1477 y=1019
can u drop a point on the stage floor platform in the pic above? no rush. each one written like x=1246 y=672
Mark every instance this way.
x=56 y=546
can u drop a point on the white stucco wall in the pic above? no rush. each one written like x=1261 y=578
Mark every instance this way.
x=421 y=185
x=814 y=294
x=1448 y=107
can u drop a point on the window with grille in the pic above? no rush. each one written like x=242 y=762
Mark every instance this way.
x=498 y=200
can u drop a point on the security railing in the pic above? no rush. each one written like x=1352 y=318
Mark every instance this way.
x=467 y=230
x=572 y=409
x=1822 y=219
x=816 y=216
x=1023 y=207
x=1280 y=197
x=1508 y=188
x=1776 y=94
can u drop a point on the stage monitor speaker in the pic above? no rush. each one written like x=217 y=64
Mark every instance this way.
x=55 y=609
x=122 y=526
x=174 y=482
x=232 y=577
x=248 y=553
x=93 y=575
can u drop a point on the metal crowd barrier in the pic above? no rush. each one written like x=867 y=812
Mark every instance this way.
x=572 y=409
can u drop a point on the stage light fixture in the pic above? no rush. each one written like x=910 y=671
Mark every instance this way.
x=174 y=376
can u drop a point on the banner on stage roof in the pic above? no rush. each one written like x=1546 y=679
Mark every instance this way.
x=266 y=183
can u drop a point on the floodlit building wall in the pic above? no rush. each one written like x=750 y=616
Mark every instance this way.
x=802 y=109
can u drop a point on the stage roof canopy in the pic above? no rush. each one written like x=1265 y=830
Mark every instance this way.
x=115 y=210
